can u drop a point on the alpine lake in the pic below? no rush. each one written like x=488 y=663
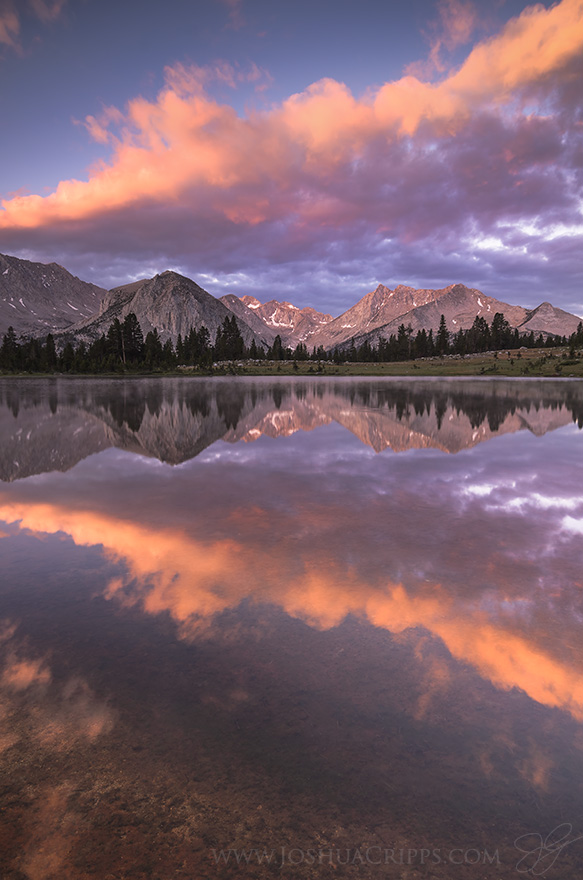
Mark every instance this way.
x=297 y=628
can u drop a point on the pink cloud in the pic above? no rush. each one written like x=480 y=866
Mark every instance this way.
x=10 y=18
x=9 y=24
x=185 y=140
x=99 y=127
x=236 y=19
x=411 y=174
x=48 y=11
x=532 y=48
x=458 y=19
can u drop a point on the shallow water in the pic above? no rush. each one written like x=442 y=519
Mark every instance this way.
x=297 y=629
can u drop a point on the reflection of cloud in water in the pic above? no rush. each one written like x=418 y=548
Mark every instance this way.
x=21 y=674
x=57 y=715
x=507 y=634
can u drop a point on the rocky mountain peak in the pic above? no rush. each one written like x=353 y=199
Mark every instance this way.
x=250 y=302
x=402 y=290
x=40 y=298
x=172 y=275
x=380 y=295
x=170 y=303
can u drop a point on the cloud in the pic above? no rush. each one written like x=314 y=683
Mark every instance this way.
x=48 y=11
x=236 y=18
x=458 y=19
x=185 y=139
x=9 y=24
x=10 y=18
x=412 y=163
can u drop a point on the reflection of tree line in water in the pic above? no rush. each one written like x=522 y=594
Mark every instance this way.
x=128 y=403
x=478 y=408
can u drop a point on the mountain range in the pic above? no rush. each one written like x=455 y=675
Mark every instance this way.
x=169 y=303
x=36 y=298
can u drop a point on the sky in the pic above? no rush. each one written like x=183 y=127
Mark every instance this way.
x=301 y=151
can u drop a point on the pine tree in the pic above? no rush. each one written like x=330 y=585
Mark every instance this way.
x=277 y=353
x=9 y=351
x=442 y=339
x=500 y=332
x=114 y=341
x=50 y=354
x=153 y=353
x=67 y=358
x=132 y=339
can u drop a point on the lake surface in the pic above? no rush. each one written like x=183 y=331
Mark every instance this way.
x=312 y=628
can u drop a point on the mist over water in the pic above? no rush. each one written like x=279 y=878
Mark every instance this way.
x=303 y=617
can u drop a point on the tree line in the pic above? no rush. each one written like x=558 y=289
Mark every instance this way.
x=480 y=337
x=125 y=349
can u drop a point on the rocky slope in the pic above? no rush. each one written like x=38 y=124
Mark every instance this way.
x=39 y=298
x=169 y=303
x=293 y=325
x=242 y=313
x=546 y=318
x=380 y=313
x=376 y=309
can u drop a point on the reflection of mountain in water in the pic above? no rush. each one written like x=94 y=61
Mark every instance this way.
x=51 y=425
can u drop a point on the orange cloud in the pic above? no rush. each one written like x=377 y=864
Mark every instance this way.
x=185 y=147
x=194 y=580
x=457 y=21
x=325 y=118
x=531 y=47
